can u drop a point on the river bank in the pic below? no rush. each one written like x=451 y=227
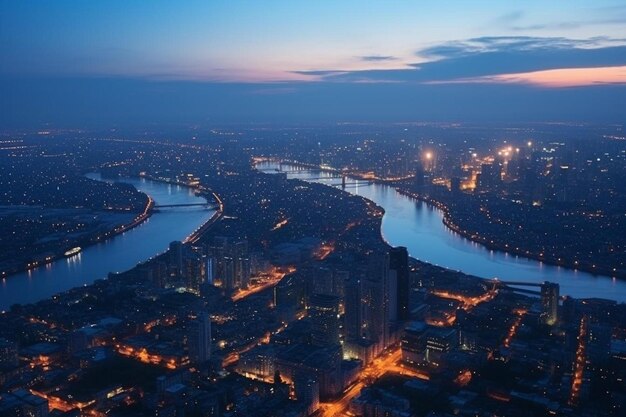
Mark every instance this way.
x=449 y=222
x=421 y=228
x=41 y=260
x=138 y=244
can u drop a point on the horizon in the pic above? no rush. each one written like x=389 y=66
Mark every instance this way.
x=101 y=65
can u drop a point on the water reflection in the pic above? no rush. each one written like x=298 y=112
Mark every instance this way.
x=419 y=227
x=115 y=255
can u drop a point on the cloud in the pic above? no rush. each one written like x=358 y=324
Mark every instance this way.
x=488 y=44
x=377 y=58
x=321 y=73
x=555 y=78
x=450 y=49
x=490 y=56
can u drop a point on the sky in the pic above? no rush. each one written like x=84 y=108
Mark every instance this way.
x=74 y=63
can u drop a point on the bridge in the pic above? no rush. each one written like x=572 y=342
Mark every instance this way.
x=295 y=171
x=514 y=286
x=207 y=205
x=524 y=283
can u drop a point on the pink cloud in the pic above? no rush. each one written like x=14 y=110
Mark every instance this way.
x=555 y=78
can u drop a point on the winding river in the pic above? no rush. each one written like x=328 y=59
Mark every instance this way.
x=419 y=227
x=117 y=254
x=406 y=222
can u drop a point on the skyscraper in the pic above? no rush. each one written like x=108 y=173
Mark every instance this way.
x=241 y=261
x=194 y=269
x=366 y=309
x=231 y=264
x=352 y=302
x=210 y=269
x=200 y=339
x=176 y=258
x=324 y=313
x=375 y=298
x=549 y=302
x=398 y=284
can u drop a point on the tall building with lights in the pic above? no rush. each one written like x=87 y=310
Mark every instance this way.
x=398 y=284
x=176 y=258
x=366 y=302
x=324 y=313
x=200 y=339
x=549 y=302
x=231 y=266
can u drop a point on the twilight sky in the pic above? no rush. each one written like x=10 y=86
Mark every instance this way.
x=73 y=63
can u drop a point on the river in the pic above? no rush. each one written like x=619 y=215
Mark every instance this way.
x=419 y=227
x=117 y=254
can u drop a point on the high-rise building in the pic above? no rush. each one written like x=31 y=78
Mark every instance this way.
x=210 y=269
x=353 y=289
x=323 y=283
x=398 y=284
x=549 y=302
x=200 y=339
x=186 y=267
x=194 y=269
x=228 y=273
x=376 y=299
x=176 y=258
x=289 y=297
x=241 y=261
x=231 y=263
x=366 y=302
x=324 y=313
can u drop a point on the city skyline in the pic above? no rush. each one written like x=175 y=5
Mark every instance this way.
x=236 y=208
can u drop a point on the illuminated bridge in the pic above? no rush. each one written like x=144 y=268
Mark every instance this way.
x=210 y=206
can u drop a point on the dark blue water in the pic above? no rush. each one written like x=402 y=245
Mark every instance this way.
x=419 y=227
x=115 y=255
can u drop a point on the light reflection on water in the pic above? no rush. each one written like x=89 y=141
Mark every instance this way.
x=419 y=227
x=115 y=255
